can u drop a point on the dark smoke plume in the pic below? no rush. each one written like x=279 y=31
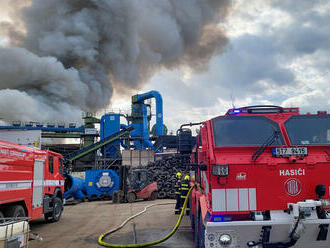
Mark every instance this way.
x=67 y=56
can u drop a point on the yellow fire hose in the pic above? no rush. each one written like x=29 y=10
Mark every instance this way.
x=151 y=243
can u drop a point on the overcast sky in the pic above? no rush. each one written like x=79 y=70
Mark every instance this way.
x=279 y=53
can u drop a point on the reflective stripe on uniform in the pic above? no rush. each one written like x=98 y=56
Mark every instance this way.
x=184 y=184
x=184 y=197
x=184 y=188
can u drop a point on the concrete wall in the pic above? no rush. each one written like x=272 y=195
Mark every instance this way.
x=138 y=157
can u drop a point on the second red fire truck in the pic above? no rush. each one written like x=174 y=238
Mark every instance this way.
x=263 y=179
x=31 y=182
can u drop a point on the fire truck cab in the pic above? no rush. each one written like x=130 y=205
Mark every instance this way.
x=262 y=179
x=31 y=182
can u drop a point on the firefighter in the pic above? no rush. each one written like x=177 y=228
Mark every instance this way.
x=177 y=193
x=184 y=192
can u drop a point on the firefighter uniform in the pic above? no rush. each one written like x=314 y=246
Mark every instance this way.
x=184 y=189
x=178 y=193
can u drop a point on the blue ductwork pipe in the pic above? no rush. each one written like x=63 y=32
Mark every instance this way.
x=74 y=187
x=146 y=140
x=139 y=98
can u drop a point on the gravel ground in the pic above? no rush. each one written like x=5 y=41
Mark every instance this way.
x=81 y=225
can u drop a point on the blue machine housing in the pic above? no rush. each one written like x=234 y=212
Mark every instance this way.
x=74 y=187
x=110 y=124
x=101 y=182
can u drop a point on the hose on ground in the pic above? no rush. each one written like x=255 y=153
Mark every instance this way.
x=151 y=243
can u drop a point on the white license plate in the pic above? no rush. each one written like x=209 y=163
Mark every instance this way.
x=289 y=151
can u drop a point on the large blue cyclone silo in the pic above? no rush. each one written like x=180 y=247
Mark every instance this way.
x=101 y=182
x=110 y=124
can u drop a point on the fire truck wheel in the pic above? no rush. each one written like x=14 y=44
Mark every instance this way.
x=131 y=197
x=55 y=215
x=1 y=216
x=153 y=196
x=15 y=211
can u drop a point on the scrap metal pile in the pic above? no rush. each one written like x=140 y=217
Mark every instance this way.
x=164 y=172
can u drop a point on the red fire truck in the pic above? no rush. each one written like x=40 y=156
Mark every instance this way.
x=262 y=179
x=31 y=182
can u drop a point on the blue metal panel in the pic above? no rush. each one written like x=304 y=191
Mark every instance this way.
x=110 y=124
x=137 y=133
x=100 y=182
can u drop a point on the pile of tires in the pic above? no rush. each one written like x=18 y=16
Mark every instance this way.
x=164 y=172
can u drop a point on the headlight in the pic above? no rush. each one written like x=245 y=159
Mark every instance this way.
x=225 y=240
x=220 y=170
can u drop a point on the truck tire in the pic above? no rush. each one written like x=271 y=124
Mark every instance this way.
x=115 y=198
x=1 y=217
x=15 y=211
x=131 y=197
x=153 y=196
x=55 y=215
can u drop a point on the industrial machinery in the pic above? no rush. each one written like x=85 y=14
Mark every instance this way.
x=97 y=184
x=101 y=184
x=262 y=179
x=140 y=118
x=135 y=183
x=31 y=182
x=69 y=158
x=138 y=136
x=74 y=188
x=110 y=124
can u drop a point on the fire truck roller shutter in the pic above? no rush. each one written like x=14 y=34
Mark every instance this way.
x=38 y=183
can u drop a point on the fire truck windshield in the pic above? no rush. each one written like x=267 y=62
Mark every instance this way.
x=309 y=129
x=244 y=131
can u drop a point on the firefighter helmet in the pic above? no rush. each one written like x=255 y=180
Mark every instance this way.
x=178 y=174
x=187 y=177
